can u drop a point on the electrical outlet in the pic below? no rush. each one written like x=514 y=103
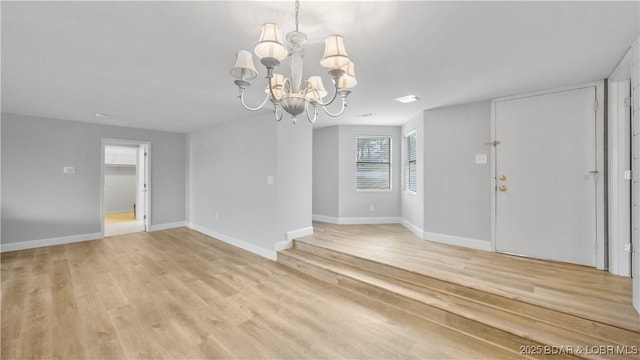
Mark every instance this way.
x=69 y=170
x=372 y=207
x=216 y=216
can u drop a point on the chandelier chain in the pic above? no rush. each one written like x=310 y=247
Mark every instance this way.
x=297 y=10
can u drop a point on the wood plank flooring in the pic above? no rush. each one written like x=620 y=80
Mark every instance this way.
x=577 y=290
x=181 y=294
x=119 y=217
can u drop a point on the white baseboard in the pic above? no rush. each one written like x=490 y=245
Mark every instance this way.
x=458 y=240
x=325 y=219
x=32 y=244
x=167 y=226
x=414 y=229
x=283 y=245
x=298 y=233
x=291 y=235
x=269 y=254
x=356 y=220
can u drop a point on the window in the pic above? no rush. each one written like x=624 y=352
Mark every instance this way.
x=373 y=162
x=410 y=162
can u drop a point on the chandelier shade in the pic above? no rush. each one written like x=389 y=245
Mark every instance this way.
x=244 y=68
x=270 y=44
x=291 y=94
x=348 y=80
x=335 y=54
x=316 y=87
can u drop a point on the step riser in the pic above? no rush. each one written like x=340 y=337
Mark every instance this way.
x=608 y=333
x=497 y=337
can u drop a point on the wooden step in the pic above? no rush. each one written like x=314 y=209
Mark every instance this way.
x=506 y=323
x=570 y=322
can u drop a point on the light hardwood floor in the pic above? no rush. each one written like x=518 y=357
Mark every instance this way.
x=578 y=290
x=181 y=294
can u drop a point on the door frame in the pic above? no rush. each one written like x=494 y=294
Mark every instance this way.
x=147 y=170
x=601 y=248
x=619 y=160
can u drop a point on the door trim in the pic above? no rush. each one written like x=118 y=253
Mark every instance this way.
x=601 y=249
x=116 y=142
x=619 y=159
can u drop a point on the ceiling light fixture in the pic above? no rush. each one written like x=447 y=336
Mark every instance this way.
x=292 y=95
x=102 y=115
x=407 y=99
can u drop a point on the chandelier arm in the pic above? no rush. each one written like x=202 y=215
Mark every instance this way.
x=275 y=111
x=249 y=107
x=315 y=113
x=333 y=98
x=344 y=104
x=269 y=76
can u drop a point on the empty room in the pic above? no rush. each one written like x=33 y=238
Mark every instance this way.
x=320 y=180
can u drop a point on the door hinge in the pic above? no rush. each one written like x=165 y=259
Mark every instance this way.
x=595 y=105
x=145 y=217
x=145 y=153
x=628 y=174
x=627 y=102
x=628 y=247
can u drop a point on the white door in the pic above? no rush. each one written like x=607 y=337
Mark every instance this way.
x=545 y=184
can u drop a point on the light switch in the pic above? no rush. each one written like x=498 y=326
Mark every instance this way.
x=269 y=180
x=481 y=159
x=69 y=170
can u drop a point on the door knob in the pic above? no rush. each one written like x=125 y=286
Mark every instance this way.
x=503 y=177
x=502 y=188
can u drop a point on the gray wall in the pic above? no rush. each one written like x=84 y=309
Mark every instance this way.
x=334 y=176
x=228 y=170
x=120 y=187
x=294 y=176
x=412 y=205
x=356 y=203
x=40 y=202
x=457 y=192
x=325 y=171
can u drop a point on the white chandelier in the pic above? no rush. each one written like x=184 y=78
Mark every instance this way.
x=292 y=95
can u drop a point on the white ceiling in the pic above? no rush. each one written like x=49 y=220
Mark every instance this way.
x=165 y=65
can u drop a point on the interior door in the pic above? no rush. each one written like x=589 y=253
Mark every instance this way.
x=545 y=176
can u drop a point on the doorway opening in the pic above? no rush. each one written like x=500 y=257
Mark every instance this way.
x=125 y=196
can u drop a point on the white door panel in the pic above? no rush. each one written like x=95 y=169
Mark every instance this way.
x=546 y=153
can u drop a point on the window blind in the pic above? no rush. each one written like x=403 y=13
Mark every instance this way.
x=373 y=162
x=410 y=163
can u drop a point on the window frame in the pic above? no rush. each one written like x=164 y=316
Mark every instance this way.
x=406 y=161
x=355 y=173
